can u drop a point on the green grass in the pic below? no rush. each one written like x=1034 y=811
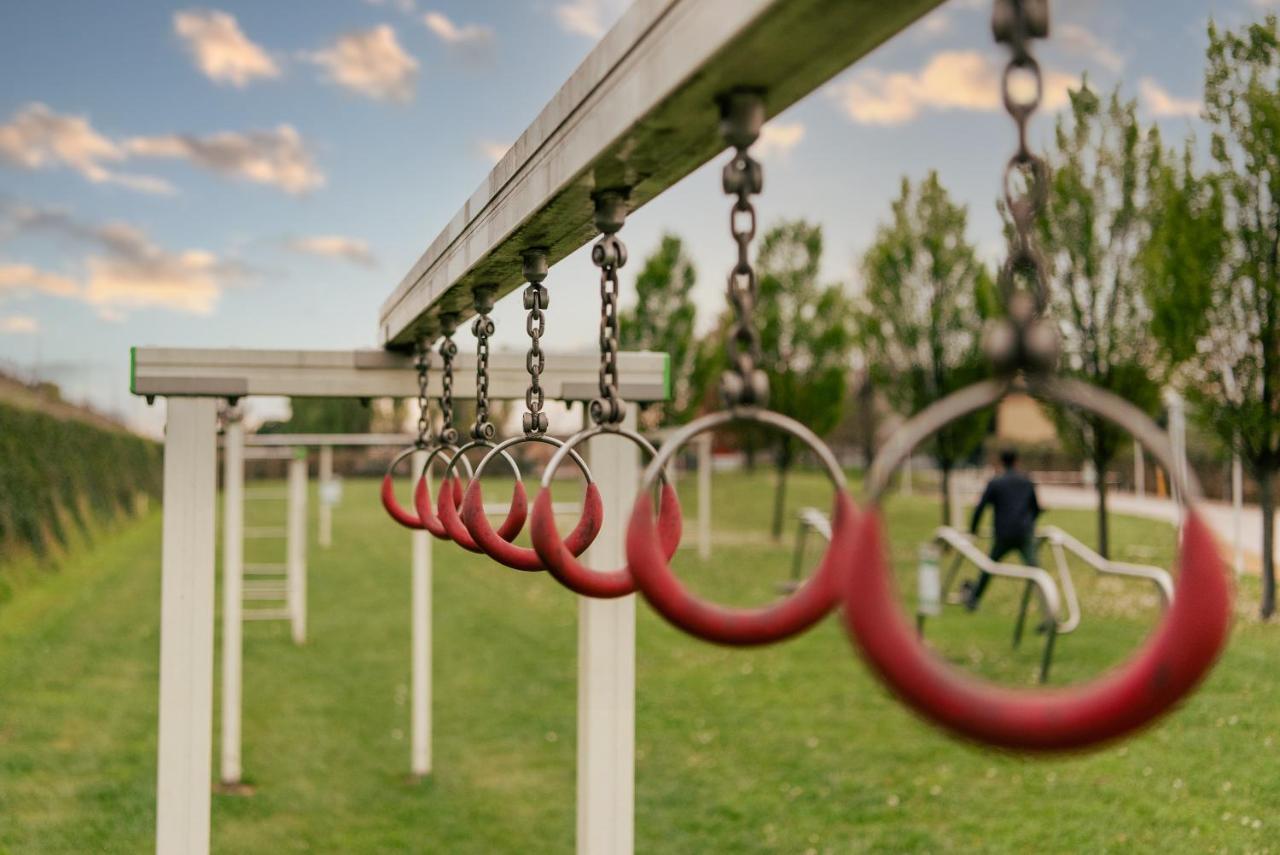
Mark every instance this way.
x=791 y=748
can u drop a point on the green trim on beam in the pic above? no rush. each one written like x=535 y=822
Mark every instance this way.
x=133 y=370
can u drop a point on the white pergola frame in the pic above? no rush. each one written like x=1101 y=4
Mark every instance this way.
x=192 y=381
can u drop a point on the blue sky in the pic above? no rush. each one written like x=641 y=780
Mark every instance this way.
x=262 y=174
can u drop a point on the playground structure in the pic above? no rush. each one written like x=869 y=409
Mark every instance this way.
x=1058 y=599
x=673 y=84
x=245 y=583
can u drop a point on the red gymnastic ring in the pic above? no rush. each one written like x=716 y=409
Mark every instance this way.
x=522 y=557
x=447 y=512
x=734 y=626
x=558 y=556
x=421 y=493
x=1171 y=663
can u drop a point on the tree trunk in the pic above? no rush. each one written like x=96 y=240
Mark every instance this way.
x=1104 y=521
x=1266 y=496
x=780 y=489
x=867 y=412
x=946 y=493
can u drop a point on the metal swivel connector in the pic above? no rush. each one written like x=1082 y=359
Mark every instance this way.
x=1023 y=341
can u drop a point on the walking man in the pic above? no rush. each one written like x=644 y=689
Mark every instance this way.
x=1012 y=496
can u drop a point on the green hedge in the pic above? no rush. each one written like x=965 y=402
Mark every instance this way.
x=61 y=475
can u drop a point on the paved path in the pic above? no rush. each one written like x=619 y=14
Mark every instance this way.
x=1217 y=514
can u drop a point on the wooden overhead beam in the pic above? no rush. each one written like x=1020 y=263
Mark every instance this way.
x=639 y=113
x=233 y=373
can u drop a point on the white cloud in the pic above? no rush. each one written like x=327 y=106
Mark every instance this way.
x=124 y=270
x=278 y=158
x=220 y=49
x=779 y=138
x=1083 y=42
x=184 y=281
x=951 y=80
x=349 y=249
x=451 y=33
x=37 y=137
x=1164 y=105
x=590 y=18
x=371 y=63
x=492 y=150
x=21 y=278
x=19 y=324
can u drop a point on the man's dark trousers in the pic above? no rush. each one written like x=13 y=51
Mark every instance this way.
x=1025 y=545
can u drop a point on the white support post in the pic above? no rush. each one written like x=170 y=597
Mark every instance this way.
x=185 y=754
x=607 y=671
x=420 y=691
x=1237 y=512
x=232 y=591
x=1178 y=437
x=296 y=546
x=705 y=463
x=324 y=527
x=1139 y=469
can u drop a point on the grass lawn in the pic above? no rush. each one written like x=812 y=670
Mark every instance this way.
x=791 y=749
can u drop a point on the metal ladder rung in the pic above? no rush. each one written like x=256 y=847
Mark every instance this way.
x=261 y=585
x=258 y=596
x=266 y=614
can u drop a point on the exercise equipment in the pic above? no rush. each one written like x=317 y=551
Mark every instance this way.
x=1023 y=350
x=536 y=301
x=442 y=445
x=483 y=433
x=607 y=413
x=745 y=390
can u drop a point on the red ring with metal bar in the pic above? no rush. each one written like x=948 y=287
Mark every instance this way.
x=789 y=616
x=1171 y=663
x=522 y=557
x=560 y=560
x=447 y=511
x=556 y=554
x=738 y=626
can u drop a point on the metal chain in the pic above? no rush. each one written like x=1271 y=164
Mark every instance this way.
x=422 y=362
x=744 y=383
x=536 y=300
x=482 y=328
x=609 y=254
x=1016 y=23
x=448 y=350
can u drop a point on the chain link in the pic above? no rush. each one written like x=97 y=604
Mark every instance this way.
x=482 y=327
x=1017 y=23
x=422 y=363
x=609 y=254
x=448 y=350
x=536 y=300
x=744 y=383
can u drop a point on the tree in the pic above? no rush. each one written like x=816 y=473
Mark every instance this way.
x=920 y=315
x=1094 y=230
x=804 y=343
x=323 y=415
x=1215 y=265
x=663 y=320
